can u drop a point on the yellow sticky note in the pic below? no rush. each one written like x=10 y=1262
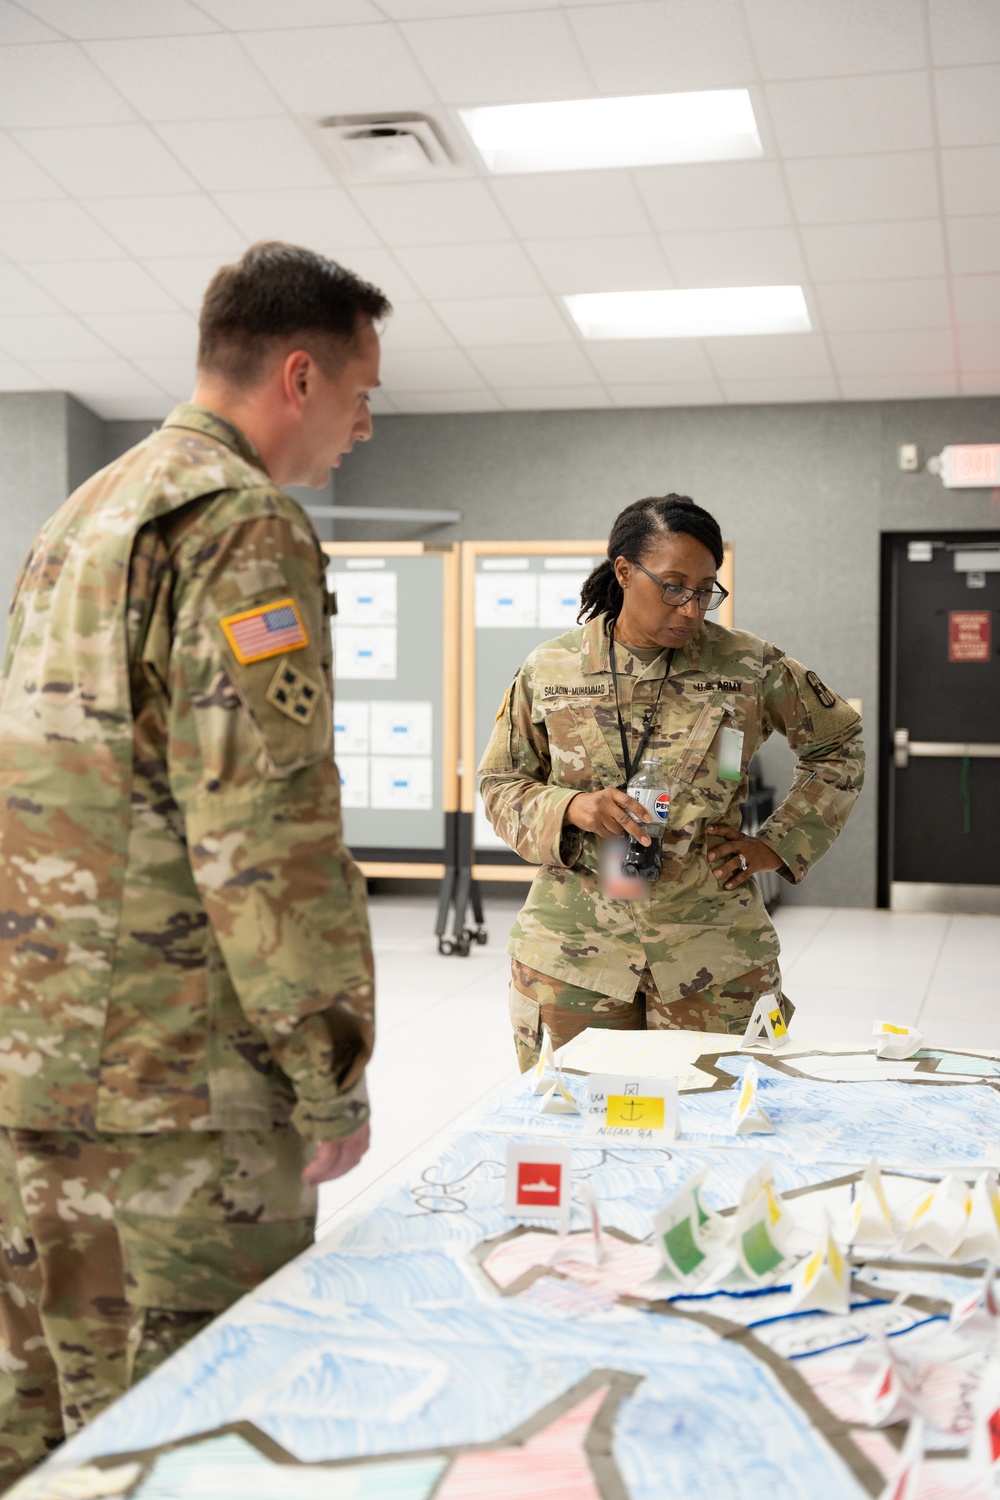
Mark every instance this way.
x=895 y=1030
x=633 y=1111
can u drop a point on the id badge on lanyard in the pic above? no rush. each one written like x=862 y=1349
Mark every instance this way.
x=730 y=750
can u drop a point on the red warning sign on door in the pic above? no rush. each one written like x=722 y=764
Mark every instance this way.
x=969 y=635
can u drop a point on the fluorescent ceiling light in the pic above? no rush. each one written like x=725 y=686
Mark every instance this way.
x=714 y=125
x=690 y=314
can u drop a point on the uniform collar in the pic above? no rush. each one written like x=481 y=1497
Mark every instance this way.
x=595 y=652
x=200 y=419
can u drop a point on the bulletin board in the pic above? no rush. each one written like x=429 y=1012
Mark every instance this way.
x=395 y=643
x=515 y=595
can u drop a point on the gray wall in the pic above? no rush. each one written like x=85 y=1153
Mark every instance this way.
x=804 y=492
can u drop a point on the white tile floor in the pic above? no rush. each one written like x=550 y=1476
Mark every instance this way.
x=444 y=1039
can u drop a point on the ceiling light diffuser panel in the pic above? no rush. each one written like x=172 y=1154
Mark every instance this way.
x=647 y=130
x=690 y=314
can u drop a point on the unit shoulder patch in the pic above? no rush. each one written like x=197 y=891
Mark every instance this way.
x=503 y=707
x=821 y=690
x=269 y=630
x=294 y=694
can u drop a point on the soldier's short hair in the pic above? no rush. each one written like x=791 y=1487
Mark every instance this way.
x=279 y=293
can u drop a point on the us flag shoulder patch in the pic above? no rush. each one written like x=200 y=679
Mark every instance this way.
x=269 y=630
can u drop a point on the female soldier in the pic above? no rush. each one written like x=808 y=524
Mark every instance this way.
x=646 y=673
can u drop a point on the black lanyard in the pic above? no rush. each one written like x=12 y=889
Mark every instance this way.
x=632 y=764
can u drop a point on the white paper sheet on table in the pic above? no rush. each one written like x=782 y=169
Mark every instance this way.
x=366 y=598
x=401 y=728
x=350 y=727
x=405 y=783
x=364 y=652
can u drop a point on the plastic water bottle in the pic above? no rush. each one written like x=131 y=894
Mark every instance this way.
x=648 y=786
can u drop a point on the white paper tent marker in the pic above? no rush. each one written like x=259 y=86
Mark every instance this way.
x=546 y=1063
x=896 y=1042
x=559 y=1100
x=940 y=1219
x=766 y=1027
x=763 y=1225
x=984 y=1449
x=982 y=1232
x=979 y=1312
x=687 y=1234
x=749 y=1115
x=872 y=1220
x=888 y=1395
x=822 y=1281
x=905 y=1477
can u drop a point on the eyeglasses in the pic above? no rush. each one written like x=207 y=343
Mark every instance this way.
x=675 y=594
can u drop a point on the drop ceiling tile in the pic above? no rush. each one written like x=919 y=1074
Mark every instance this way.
x=571 y=205
x=98 y=380
x=166 y=335
x=176 y=224
x=978 y=350
x=555 y=398
x=897 y=387
x=780 y=392
x=649 y=361
x=860 y=306
x=284 y=15
x=186 y=77
x=624 y=263
x=86 y=19
x=50 y=230
x=229 y=155
x=735 y=257
x=977 y=300
x=654 y=48
x=964 y=31
x=849 y=189
x=844 y=116
x=490 y=270
x=55 y=84
x=968 y=105
x=14 y=377
x=428 y=370
x=714 y=195
x=873 y=252
x=336 y=70
x=174 y=376
x=58 y=336
x=422 y=10
x=970 y=177
x=415 y=326
x=102 y=286
x=20 y=297
x=381 y=268
x=421 y=402
x=432 y=213
x=684 y=393
x=321 y=218
x=505 y=320
x=912 y=351
x=501 y=59
x=20 y=177
x=532 y=366
x=16 y=25
x=771 y=356
x=974 y=245
x=107 y=161
x=836 y=38
x=185 y=277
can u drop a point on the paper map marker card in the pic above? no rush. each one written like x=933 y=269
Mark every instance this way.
x=981 y=1311
x=904 y=1480
x=939 y=1220
x=872 y=1220
x=538 y=1183
x=583 y=1249
x=687 y=1234
x=763 y=1225
x=559 y=1100
x=632 y=1111
x=546 y=1063
x=897 y=1042
x=766 y=1027
x=749 y=1115
x=822 y=1282
x=888 y=1395
x=982 y=1232
x=984 y=1450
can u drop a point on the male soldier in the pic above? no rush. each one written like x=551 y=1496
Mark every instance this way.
x=186 y=1000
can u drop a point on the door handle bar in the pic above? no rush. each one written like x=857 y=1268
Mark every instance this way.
x=903 y=749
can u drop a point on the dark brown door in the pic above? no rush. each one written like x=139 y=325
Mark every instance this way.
x=940 y=719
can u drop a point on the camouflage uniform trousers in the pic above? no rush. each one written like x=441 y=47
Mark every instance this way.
x=566 y=1009
x=117 y=1249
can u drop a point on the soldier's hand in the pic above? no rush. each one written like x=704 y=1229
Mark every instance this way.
x=727 y=865
x=609 y=813
x=334 y=1158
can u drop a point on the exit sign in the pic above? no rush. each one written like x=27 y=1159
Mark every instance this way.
x=971 y=466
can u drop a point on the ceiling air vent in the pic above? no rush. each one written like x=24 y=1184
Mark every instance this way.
x=375 y=148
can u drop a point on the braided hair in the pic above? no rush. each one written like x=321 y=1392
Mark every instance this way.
x=639 y=524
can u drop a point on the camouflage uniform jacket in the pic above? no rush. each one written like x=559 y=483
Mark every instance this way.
x=183 y=935
x=557 y=734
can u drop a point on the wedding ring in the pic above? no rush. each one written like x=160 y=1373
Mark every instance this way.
x=743 y=862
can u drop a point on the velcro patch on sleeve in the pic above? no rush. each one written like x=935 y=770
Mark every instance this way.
x=269 y=630
x=294 y=694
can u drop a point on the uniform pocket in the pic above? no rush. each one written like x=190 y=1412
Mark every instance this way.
x=691 y=766
x=525 y=1017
